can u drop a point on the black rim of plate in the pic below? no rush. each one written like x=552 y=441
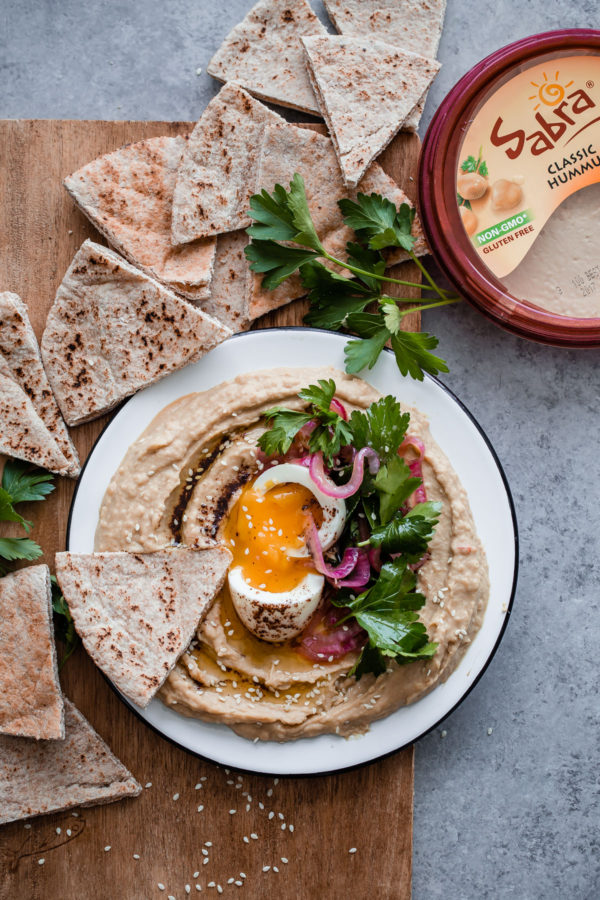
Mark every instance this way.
x=461 y=405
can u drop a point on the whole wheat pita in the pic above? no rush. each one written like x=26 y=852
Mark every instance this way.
x=31 y=703
x=39 y=777
x=263 y=53
x=288 y=149
x=366 y=89
x=113 y=330
x=228 y=301
x=216 y=175
x=136 y=613
x=414 y=25
x=128 y=196
x=19 y=347
x=23 y=434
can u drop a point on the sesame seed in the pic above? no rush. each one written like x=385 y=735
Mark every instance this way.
x=489 y=731
x=149 y=784
x=187 y=889
x=211 y=884
x=352 y=850
x=198 y=888
x=254 y=836
x=175 y=796
x=291 y=827
x=204 y=852
x=200 y=808
x=204 y=777
x=205 y=861
x=160 y=886
x=266 y=868
x=69 y=832
x=275 y=869
x=283 y=826
x=107 y=848
x=242 y=874
x=232 y=812
x=219 y=889
x=281 y=816
x=27 y=825
x=245 y=840
x=136 y=855
x=276 y=781
x=41 y=862
x=58 y=830
x=239 y=883
x=196 y=874
x=444 y=733
x=271 y=815
x=284 y=859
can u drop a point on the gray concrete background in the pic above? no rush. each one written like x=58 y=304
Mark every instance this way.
x=514 y=813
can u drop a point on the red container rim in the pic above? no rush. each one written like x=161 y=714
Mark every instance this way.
x=450 y=245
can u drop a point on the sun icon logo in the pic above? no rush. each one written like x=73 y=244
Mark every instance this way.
x=549 y=92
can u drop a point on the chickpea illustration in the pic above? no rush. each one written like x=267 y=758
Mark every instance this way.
x=471 y=185
x=469 y=219
x=506 y=194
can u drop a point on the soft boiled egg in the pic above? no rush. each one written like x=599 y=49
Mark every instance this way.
x=273 y=584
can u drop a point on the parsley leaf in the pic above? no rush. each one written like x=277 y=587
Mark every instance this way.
x=469 y=164
x=412 y=356
x=19 y=548
x=332 y=297
x=329 y=435
x=24 y=483
x=8 y=513
x=277 y=260
x=364 y=354
x=370 y=261
x=395 y=484
x=64 y=625
x=376 y=219
x=388 y=613
x=381 y=426
x=483 y=169
x=408 y=534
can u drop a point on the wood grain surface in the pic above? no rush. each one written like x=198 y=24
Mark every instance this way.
x=369 y=809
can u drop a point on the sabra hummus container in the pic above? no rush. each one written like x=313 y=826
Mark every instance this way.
x=509 y=187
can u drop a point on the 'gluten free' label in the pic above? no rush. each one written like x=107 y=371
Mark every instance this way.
x=533 y=143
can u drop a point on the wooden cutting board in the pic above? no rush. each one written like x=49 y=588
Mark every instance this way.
x=369 y=809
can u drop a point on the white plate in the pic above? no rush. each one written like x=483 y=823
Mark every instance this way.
x=472 y=457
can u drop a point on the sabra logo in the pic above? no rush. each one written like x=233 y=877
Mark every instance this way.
x=564 y=108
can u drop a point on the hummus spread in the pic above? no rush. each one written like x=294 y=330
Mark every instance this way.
x=561 y=272
x=178 y=482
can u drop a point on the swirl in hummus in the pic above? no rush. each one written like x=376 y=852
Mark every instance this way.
x=180 y=480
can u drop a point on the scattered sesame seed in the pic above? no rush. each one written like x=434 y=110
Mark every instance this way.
x=160 y=886
x=239 y=883
x=211 y=884
x=275 y=869
x=107 y=848
x=245 y=840
x=58 y=830
x=271 y=815
x=208 y=843
x=219 y=889
x=352 y=850
x=205 y=861
x=283 y=826
x=200 y=808
x=281 y=816
x=242 y=874
x=187 y=889
x=175 y=796
x=204 y=852
x=69 y=832
x=489 y=731
x=270 y=792
x=444 y=733
x=27 y=825
x=291 y=827
x=41 y=862
x=254 y=836
x=232 y=812
x=198 y=888
x=136 y=855
x=196 y=874
x=149 y=784
x=266 y=868
x=284 y=859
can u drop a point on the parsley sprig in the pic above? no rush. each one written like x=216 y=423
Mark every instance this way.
x=388 y=607
x=284 y=241
x=20 y=483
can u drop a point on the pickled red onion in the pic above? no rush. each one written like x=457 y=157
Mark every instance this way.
x=342 y=491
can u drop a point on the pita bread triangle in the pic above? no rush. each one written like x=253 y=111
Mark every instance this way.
x=31 y=702
x=136 y=613
x=366 y=90
x=216 y=176
x=128 y=196
x=113 y=330
x=39 y=777
x=19 y=347
x=23 y=435
x=228 y=301
x=414 y=25
x=263 y=53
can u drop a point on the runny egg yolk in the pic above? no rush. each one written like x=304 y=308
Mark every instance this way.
x=263 y=526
